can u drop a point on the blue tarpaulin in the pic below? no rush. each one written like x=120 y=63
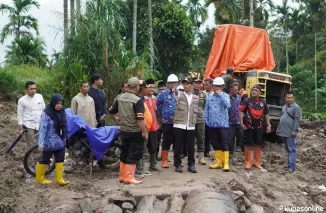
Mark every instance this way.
x=100 y=139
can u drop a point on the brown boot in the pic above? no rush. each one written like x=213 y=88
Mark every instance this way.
x=165 y=162
x=248 y=157
x=130 y=174
x=201 y=158
x=256 y=162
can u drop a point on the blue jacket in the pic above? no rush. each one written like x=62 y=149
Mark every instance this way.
x=48 y=138
x=166 y=106
x=216 y=111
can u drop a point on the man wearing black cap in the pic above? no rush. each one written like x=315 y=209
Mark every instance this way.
x=252 y=113
x=200 y=123
x=228 y=80
x=132 y=130
x=184 y=125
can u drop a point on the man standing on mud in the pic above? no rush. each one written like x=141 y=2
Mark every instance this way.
x=208 y=85
x=235 y=131
x=217 y=119
x=161 y=88
x=166 y=106
x=99 y=99
x=252 y=113
x=30 y=108
x=152 y=144
x=228 y=80
x=200 y=123
x=184 y=125
x=83 y=105
x=289 y=128
x=132 y=129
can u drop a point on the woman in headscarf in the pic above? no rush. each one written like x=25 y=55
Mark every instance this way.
x=52 y=140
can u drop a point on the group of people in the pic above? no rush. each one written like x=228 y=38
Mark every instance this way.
x=221 y=116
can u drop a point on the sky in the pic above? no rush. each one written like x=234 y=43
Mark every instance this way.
x=50 y=20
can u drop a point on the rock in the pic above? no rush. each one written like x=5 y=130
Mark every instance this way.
x=177 y=203
x=111 y=208
x=128 y=211
x=127 y=206
x=242 y=209
x=68 y=169
x=86 y=205
x=66 y=208
x=209 y=201
x=146 y=205
x=256 y=209
x=161 y=206
x=121 y=199
x=247 y=202
x=305 y=193
x=237 y=195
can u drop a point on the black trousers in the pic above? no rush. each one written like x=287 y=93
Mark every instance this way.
x=235 y=132
x=180 y=136
x=58 y=154
x=219 y=138
x=207 y=139
x=254 y=136
x=152 y=142
x=168 y=137
x=132 y=147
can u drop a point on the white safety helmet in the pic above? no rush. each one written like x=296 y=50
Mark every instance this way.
x=172 y=78
x=218 y=81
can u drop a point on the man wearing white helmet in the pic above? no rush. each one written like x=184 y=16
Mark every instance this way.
x=217 y=119
x=166 y=106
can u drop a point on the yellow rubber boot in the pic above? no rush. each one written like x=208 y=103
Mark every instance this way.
x=40 y=172
x=58 y=174
x=218 y=158
x=226 y=161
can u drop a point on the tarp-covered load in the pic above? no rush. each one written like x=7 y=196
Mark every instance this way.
x=241 y=48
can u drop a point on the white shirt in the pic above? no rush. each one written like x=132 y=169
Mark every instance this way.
x=182 y=126
x=29 y=111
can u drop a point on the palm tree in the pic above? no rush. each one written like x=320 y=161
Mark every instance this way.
x=65 y=24
x=27 y=50
x=78 y=5
x=18 y=19
x=227 y=11
x=251 y=12
x=198 y=13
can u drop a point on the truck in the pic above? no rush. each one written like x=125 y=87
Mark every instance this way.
x=248 y=51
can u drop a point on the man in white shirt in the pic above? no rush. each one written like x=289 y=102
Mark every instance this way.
x=29 y=112
x=83 y=105
x=184 y=125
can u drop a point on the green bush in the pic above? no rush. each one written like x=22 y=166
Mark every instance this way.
x=9 y=83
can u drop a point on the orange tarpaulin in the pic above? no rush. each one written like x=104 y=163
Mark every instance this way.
x=240 y=47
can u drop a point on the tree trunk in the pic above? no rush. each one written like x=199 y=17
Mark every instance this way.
x=78 y=5
x=287 y=55
x=242 y=18
x=134 y=28
x=251 y=12
x=72 y=17
x=106 y=57
x=150 y=33
x=65 y=24
x=296 y=51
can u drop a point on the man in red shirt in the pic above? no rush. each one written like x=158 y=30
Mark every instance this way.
x=253 y=111
x=152 y=144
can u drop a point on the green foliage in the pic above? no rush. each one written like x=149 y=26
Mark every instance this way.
x=27 y=50
x=48 y=83
x=8 y=83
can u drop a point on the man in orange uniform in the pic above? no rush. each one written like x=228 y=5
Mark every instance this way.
x=150 y=101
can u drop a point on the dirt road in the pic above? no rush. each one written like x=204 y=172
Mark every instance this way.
x=269 y=189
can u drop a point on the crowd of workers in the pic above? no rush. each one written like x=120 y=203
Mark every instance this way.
x=222 y=116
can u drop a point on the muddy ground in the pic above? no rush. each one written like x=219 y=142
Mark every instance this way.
x=269 y=190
